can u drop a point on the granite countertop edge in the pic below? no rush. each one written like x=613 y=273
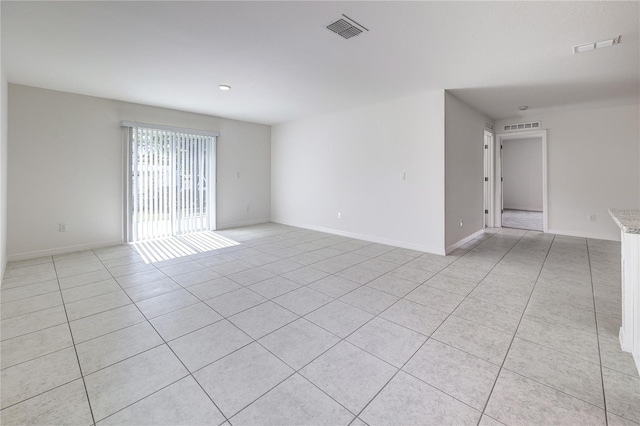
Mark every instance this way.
x=628 y=220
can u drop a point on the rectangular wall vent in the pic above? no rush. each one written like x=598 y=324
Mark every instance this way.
x=522 y=126
x=345 y=27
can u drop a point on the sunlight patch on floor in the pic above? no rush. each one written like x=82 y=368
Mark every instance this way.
x=179 y=246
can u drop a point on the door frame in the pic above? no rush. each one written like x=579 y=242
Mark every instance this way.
x=496 y=179
x=127 y=203
x=488 y=191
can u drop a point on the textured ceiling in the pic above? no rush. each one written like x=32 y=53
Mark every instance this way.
x=284 y=65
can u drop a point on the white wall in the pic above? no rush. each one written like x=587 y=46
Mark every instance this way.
x=66 y=165
x=3 y=174
x=464 y=170
x=522 y=173
x=593 y=164
x=3 y=168
x=352 y=162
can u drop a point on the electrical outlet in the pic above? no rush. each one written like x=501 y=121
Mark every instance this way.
x=592 y=217
x=403 y=176
x=461 y=223
x=248 y=207
x=237 y=175
x=339 y=215
x=62 y=227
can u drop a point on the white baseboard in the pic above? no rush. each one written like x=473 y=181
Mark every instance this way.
x=61 y=250
x=222 y=226
x=625 y=344
x=522 y=209
x=584 y=235
x=463 y=241
x=365 y=237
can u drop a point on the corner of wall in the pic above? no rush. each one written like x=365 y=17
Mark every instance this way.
x=464 y=241
x=464 y=169
x=3 y=169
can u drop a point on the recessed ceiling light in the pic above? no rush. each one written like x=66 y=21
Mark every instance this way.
x=523 y=108
x=596 y=45
x=224 y=87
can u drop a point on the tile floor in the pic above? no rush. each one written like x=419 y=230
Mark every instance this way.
x=299 y=327
x=522 y=219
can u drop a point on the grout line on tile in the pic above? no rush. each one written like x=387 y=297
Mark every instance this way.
x=85 y=298
x=595 y=315
x=35 y=331
x=296 y=237
x=174 y=354
x=518 y=326
x=75 y=349
x=263 y=394
x=554 y=321
x=121 y=360
x=555 y=389
x=142 y=399
x=449 y=315
x=42 y=393
x=36 y=357
x=558 y=350
x=27 y=297
x=37 y=310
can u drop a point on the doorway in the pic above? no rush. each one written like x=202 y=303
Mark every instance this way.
x=520 y=181
x=170 y=182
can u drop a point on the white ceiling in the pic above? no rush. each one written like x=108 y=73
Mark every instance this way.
x=283 y=64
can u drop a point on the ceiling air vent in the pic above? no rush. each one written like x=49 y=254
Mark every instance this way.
x=345 y=27
x=522 y=126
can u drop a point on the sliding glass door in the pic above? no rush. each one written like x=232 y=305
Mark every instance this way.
x=171 y=183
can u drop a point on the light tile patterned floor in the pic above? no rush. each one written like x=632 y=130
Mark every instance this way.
x=299 y=327
x=522 y=219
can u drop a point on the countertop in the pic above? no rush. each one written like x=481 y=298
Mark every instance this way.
x=627 y=220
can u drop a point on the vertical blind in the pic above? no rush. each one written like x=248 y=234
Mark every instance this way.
x=171 y=182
